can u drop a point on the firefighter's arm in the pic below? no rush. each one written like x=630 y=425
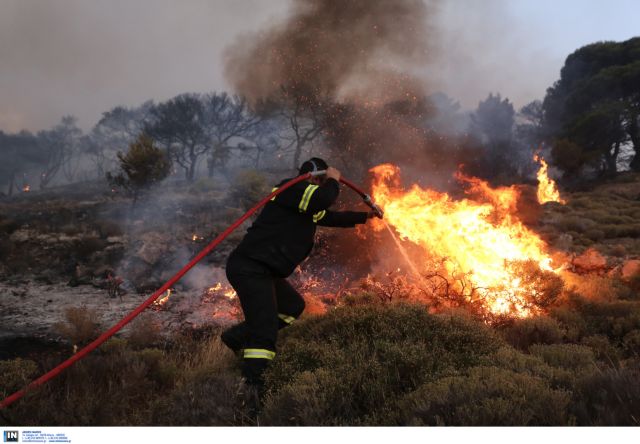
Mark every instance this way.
x=345 y=219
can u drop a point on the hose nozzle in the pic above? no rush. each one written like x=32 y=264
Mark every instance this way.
x=376 y=209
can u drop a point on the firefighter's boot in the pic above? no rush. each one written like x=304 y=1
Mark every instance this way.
x=235 y=337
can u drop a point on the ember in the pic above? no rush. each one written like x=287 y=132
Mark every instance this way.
x=224 y=290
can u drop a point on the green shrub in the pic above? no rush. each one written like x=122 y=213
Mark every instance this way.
x=15 y=374
x=142 y=166
x=360 y=298
x=631 y=343
x=568 y=356
x=144 y=332
x=487 y=396
x=375 y=354
x=210 y=399
x=602 y=348
x=574 y=223
x=572 y=323
x=248 y=188
x=613 y=319
x=608 y=398
x=522 y=333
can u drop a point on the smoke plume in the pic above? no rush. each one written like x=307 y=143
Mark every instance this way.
x=344 y=50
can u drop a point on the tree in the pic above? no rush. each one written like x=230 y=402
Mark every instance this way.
x=116 y=129
x=301 y=113
x=57 y=148
x=599 y=85
x=493 y=122
x=19 y=155
x=143 y=165
x=178 y=124
x=225 y=118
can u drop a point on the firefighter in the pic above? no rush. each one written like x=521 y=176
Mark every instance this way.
x=280 y=238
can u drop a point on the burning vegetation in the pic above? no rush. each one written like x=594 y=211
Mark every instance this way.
x=476 y=244
x=547 y=188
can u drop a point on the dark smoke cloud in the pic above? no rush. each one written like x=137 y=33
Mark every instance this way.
x=340 y=49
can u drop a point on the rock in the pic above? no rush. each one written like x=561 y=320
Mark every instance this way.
x=630 y=268
x=590 y=260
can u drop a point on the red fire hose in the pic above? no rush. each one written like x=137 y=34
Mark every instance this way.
x=214 y=243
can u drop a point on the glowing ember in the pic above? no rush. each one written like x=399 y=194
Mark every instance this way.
x=478 y=244
x=196 y=238
x=163 y=300
x=547 y=189
x=225 y=290
x=26 y=188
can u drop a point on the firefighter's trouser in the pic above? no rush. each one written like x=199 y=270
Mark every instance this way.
x=268 y=303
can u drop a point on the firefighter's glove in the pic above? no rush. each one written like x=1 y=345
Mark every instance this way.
x=374 y=213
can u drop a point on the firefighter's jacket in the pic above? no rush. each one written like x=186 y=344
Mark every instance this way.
x=283 y=234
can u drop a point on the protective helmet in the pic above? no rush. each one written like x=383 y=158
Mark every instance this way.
x=313 y=164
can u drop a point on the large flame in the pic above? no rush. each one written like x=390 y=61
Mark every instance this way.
x=477 y=243
x=547 y=189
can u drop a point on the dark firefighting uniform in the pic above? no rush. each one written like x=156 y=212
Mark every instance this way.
x=281 y=238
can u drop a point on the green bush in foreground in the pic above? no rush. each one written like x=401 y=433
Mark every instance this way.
x=394 y=364
x=353 y=366
x=487 y=396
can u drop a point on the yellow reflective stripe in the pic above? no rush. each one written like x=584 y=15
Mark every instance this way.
x=306 y=197
x=272 y=190
x=258 y=353
x=318 y=216
x=286 y=318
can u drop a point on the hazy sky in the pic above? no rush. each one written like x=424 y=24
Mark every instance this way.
x=83 y=57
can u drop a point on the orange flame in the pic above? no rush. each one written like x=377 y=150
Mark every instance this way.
x=226 y=291
x=163 y=300
x=547 y=189
x=476 y=243
x=26 y=188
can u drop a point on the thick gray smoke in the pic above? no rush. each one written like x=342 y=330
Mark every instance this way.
x=344 y=50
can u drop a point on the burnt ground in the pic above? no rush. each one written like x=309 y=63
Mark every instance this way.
x=83 y=246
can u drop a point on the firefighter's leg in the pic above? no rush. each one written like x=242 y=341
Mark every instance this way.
x=290 y=302
x=254 y=284
x=236 y=336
